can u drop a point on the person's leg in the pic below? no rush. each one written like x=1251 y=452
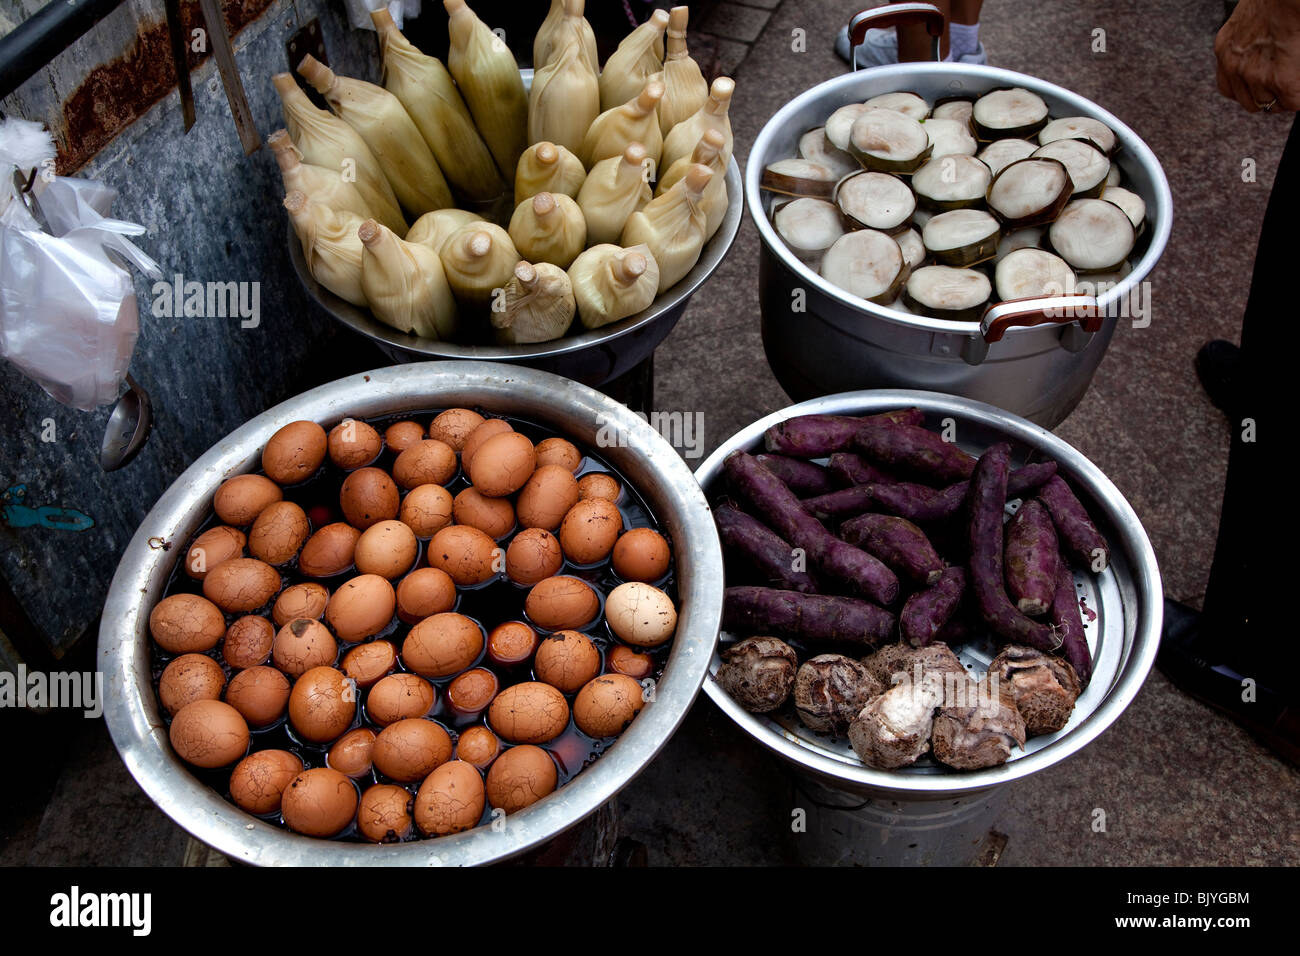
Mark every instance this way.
x=964 y=28
x=915 y=44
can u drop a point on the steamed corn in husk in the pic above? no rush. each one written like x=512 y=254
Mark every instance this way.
x=633 y=122
x=321 y=185
x=329 y=244
x=547 y=168
x=685 y=89
x=404 y=284
x=424 y=87
x=433 y=228
x=549 y=227
x=564 y=99
x=390 y=132
x=537 y=306
x=681 y=140
x=708 y=152
x=614 y=189
x=478 y=260
x=565 y=21
x=488 y=77
x=326 y=141
x=673 y=225
x=638 y=57
x=611 y=283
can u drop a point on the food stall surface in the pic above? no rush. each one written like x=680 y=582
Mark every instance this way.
x=1171 y=783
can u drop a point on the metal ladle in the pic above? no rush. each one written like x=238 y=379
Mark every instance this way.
x=128 y=427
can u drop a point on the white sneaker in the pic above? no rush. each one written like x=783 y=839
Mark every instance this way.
x=879 y=47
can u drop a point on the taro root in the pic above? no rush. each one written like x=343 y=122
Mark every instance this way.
x=897 y=663
x=979 y=730
x=758 y=673
x=893 y=730
x=831 y=689
x=1044 y=687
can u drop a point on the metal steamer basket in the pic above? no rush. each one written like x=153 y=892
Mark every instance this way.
x=928 y=813
x=820 y=339
x=570 y=409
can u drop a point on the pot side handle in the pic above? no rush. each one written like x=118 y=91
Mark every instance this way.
x=1040 y=310
x=893 y=15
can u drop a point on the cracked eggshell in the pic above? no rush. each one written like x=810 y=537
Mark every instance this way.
x=495 y=517
x=329 y=551
x=384 y=814
x=368 y=663
x=562 y=603
x=598 y=484
x=547 y=497
x=478 y=746
x=529 y=713
x=641 y=554
x=566 y=660
x=450 y=800
x=258 y=782
x=248 y=642
x=185 y=623
x=489 y=428
x=520 y=777
x=322 y=705
x=399 y=696
x=211 y=548
x=454 y=426
x=209 y=734
x=426 y=510
x=423 y=593
x=188 y=678
x=589 y=530
x=351 y=753
x=241 y=584
x=502 y=464
x=239 y=500
x=640 y=614
x=558 y=451
x=353 y=444
x=368 y=496
x=294 y=453
x=427 y=462
x=361 y=607
x=402 y=435
x=300 y=600
x=442 y=645
x=319 y=802
x=260 y=694
x=387 y=549
x=278 y=533
x=466 y=554
x=410 y=749
x=302 y=644
x=533 y=555
x=606 y=705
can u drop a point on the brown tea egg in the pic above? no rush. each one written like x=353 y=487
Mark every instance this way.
x=185 y=623
x=402 y=435
x=209 y=734
x=368 y=496
x=533 y=554
x=329 y=551
x=511 y=643
x=367 y=663
x=399 y=696
x=258 y=782
x=248 y=642
x=562 y=603
x=361 y=607
x=188 y=678
x=322 y=704
x=547 y=497
x=260 y=694
x=529 y=713
x=411 y=749
x=319 y=802
x=624 y=660
x=606 y=705
x=467 y=555
x=491 y=427
x=428 y=462
x=239 y=500
x=426 y=510
x=442 y=645
x=302 y=644
x=450 y=800
x=495 y=517
x=470 y=693
x=454 y=426
x=519 y=778
x=301 y=600
x=211 y=548
x=640 y=614
x=241 y=584
x=350 y=754
x=384 y=814
x=423 y=593
x=641 y=555
x=353 y=444
x=558 y=451
x=278 y=533
x=566 y=660
x=599 y=484
x=589 y=530
x=294 y=453
x=387 y=549
x=478 y=746
x=502 y=464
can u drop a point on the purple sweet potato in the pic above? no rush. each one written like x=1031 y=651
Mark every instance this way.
x=923 y=503
x=802 y=477
x=913 y=450
x=1067 y=622
x=755 y=542
x=836 y=560
x=987 y=498
x=812 y=436
x=899 y=543
x=845 y=503
x=812 y=617
x=1079 y=535
x=1031 y=559
x=926 y=612
x=849 y=469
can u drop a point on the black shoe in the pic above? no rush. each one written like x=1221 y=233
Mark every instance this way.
x=1218 y=366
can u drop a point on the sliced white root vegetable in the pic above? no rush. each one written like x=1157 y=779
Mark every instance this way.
x=1092 y=235
x=800 y=177
x=840 y=123
x=951 y=182
x=947 y=293
x=1015 y=112
x=1099 y=283
x=815 y=146
x=962 y=237
x=809 y=226
x=949 y=137
x=909 y=240
x=1080 y=127
x=958 y=110
x=1030 y=237
x=866 y=263
x=1114 y=177
x=921 y=217
x=909 y=104
x=1030 y=192
x=875 y=200
x=1086 y=164
x=1032 y=272
x=888 y=141
x=1001 y=153
x=1129 y=201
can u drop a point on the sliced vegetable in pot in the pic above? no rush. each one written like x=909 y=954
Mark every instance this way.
x=875 y=201
x=1092 y=235
x=951 y=182
x=866 y=263
x=943 y=292
x=962 y=237
x=888 y=141
x=1030 y=192
x=1086 y=164
x=1014 y=112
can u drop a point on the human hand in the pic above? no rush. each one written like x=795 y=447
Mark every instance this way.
x=1258 y=52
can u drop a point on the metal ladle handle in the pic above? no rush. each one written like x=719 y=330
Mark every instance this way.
x=894 y=15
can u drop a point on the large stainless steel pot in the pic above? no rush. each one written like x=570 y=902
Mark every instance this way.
x=820 y=339
x=573 y=410
x=910 y=815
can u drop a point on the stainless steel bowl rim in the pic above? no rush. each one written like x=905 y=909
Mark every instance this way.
x=1074 y=465
x=131 y=709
